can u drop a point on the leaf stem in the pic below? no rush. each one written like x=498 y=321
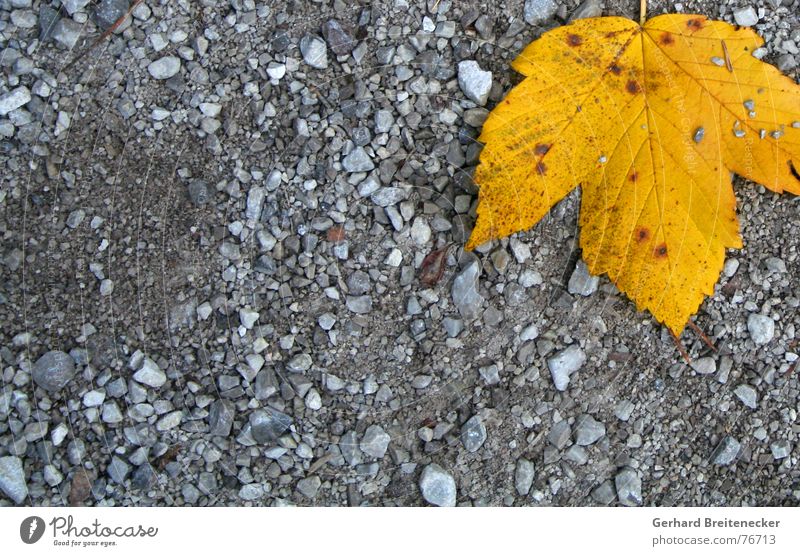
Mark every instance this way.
x=642 y=11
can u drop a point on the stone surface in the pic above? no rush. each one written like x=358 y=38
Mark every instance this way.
x=475 y=83
x=12 y=479
x=564 y=364
x=761 y=328
x=581 y=282
x=629 y=487
x=314 y=52
x=165 y=67
x=437 y=486
x=726 y=451
x=53 y=371
x=375 y=442
x=465 y=292
x=537 y=12
x=473 y=434
x=524 y=474
x=588 y=430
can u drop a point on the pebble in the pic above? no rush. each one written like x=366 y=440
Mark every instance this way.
x=437 y=486
x=537 y=12
x=118 y=470
x=473 y=434
x=360 y=304
x=624 y=409
x=220 y=418
x=358 y=161
x=313 y=400
x=745 y=17
x=12 y=100
x=747 y=394
x=12 y=479
x=490 y=374
x=559 y=434
x=251 y=492
x=474 y=82
x=761 y=328
x=53 y=371
x=108 y=12
x=589 y=8
x=300 y=363
x=523 y=476
x=67 y=32
x=704 y=366
x=165 y=67
x=726 y=451
x=255 y=202
x=94 y=398
x=309 y=486
x=604 y=493
x=581 y=282
x=248 y=317
x=314 y=51
x=629 y=487
x=150 y=374
x=338 y=39
x=199 y=193
x=375 y=442
x=564 y=364
x=73 y=6
x=780 y=449
x=465 y=293
x=588 y=430
x=268 y=424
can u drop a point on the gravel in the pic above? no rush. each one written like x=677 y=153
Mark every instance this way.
x=746 y=16
x=581 y=282
x=437 y=486
x=629 y=487
x=761 y=328
x=12 y=100
x=375 y=442
x=563 y=365
x=466 y=296
x=588 y=430
x=726 y=451
x=747 y=394
x=537 y=12
x=12 y=479
x=473 y=434
x=524 y=474
x=474 y=82
x=165 y=67
x=314 y=51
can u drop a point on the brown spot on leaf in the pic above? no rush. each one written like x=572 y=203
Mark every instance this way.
x=661 y=251
x=642 y=234
x=632 y=87
x=574 y=40
x=634 y=176
x=541 y=149
x=541 y=168
x=694 y=24
x=615 y=69
x=666 y=39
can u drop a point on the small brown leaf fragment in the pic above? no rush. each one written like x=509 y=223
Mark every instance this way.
x=167 y=457
x=432 y=266
x=335 y=234
x=80 y=487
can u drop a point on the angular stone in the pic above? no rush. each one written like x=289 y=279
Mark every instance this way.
x=437 y=486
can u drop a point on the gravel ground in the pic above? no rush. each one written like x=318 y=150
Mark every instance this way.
x=212 y=235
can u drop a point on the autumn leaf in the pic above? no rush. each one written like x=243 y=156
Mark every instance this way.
x=649 y=120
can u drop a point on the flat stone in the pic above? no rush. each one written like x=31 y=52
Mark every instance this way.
x=745 y=17
x=12 y=479
x=220 y=418
x=564 y=364
x=523 y=476
x=339 y=40
x=375 y=442
x=581 y=282
x=465 y=293
x=761 y=328
x=118 y=470
x=314 y=52
x=66 y=32
x=150 y=374
x=537 y=12
x=309 y=486
x=747 y=395
x=588 y=430
x=53 y=371
x=12 y=100
x=629 y=487
x=437 y=486
x=473 y=434
x=360 y=304
x=474 y=82
x=559 y=434
x=726 y=452
x=589 y=8
x=268 y=424
x=780 y=449
x=704 y=366
x=358 y=160
x=165 y=67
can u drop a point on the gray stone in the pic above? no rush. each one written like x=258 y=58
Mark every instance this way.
x=358 y=161
x=624 y=409
x=780 y=449
x=314 y=52
x=12 y=100
x=437 y=486
x=248 y=317
x=255 y=202
x=705 y=366
x=383 y=121
x=388 y=196
x=559 y=434
x=165 y=67
x=67 y=32
x=199 y=192
x=474 y=82
x=109 y=11
x=537 y=12
x=761 y=328
x=268 y=424
x=490 y=374
x=118 y=470
x=339 y=40
x=523 y=476
x=220 y=418
x=452 y=326
x=629 y=487
x=251 y=492
x=300 y=363
x=53 y=371
x=747 y=394
x=143 y=477
x=48 y=17
x=576 y=454
x=360 y=304
x=745 y=17
x=465 y=292
x=73 y=6
x=375 y=442
x=349 y=447
x=604 y=493
x=150 y=374
x=726 y=452
x=309 y=486
x=589 y=8
x=473 y=434
x=564 y=364
x=12 y=479
x=588 y=430
x=581 y=282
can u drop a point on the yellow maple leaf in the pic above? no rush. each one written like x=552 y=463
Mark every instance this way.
x=649 y=120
